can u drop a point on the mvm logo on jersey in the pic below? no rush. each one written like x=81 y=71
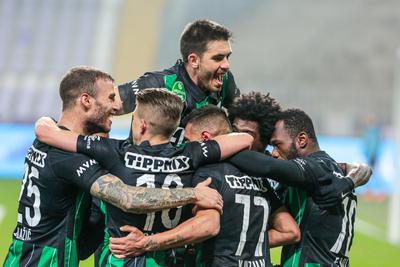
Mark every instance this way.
x=86 y=165
x=36 y=156
x=204 y=149
x=156 y=164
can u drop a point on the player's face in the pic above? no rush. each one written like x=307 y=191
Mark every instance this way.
x=250 y=127
x=213 y=64
x=284 y=145
x=105 y=104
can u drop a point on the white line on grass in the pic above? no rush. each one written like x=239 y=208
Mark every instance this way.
x=2 y=213
x=369 y=229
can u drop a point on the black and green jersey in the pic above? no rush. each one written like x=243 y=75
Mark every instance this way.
x=53 y=206
x=177 y=80
x=248 y=204
x=158 y=166
x=326 y=235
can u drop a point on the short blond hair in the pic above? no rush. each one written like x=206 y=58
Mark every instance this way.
x=161 y=109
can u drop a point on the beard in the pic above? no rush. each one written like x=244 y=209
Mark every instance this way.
x=292 y=153
x=204 y=82
x=98 y=122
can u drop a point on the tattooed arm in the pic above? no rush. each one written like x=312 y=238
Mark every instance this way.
x=204 y=225
x=144 y=200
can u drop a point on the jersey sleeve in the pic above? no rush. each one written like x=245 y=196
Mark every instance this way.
x=78 y=169
x=203 y=153
x=232 y=91
x=129 y=90
x=313 y=170
x=104 y=150
x=288 y=172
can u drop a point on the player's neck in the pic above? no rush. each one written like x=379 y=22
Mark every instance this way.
x=69 y=120
x=154 y=139
x=309 y=150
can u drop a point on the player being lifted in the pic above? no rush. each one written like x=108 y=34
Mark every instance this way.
x=151 y=162
x=200 y=78
x=54 y=198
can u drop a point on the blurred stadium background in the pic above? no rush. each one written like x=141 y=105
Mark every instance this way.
x=334 y=59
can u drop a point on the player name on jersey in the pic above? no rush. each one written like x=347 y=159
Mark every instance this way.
x=36 y=156
x=246 y=182
x=156 y=164
x=254 y=263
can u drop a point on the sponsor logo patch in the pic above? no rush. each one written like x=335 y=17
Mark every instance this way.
x=36 y=156
x=156 y=164
x=85 y=166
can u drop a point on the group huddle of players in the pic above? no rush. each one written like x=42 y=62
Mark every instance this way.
x=149 y=200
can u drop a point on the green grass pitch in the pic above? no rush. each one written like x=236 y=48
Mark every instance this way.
x=367 y=251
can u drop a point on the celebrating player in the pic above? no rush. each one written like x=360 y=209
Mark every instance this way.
x=200 y=78
x=54 y=198
x=326 y=234
x=249 y=203
x=153 y=162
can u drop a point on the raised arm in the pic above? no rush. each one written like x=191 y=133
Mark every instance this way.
x=232 y=143
x=284 y=171
x=205 y=224
x=144 y=200
x=47 y=131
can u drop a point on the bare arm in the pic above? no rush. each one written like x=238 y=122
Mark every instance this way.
x=204 y=225
x=144 y=200
x=232 y=143
x=48 y=132
x=283 y=229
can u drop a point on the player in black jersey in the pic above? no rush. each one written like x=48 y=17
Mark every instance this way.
x=54 y=197
x=248 y=201
x=256 y=114
x=200 y=78
x=152 y=162
x=326 y=234
x=247 y=120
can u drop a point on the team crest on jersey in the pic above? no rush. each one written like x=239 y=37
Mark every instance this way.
x=179 y=89
x=156 y=164
x=36 y=156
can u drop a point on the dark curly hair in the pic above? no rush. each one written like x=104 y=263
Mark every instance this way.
x=297 y=121
x=257 y=107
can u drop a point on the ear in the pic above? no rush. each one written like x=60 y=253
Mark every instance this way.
x=143 y=126
x=302 y=140
x=85 y=100
x=205 y=135
x=193 y=60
